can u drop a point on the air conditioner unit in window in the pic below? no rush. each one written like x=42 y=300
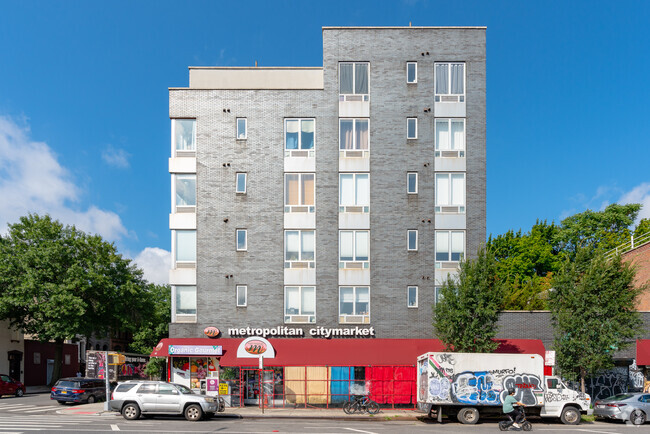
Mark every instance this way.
x=447 y=265
x=353 y=154
x=450 y=154
x=352 y=319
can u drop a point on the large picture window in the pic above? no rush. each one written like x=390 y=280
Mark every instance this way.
x=186 y=300
x=299 y=191
x=185 y=246
x=184 y=134
x=450 y=137
x=450 y=246
x=299 y=134
x=354 y=192
x=354 y=304
x=299 y=304
x=450 y=82
x=353 y=78
x=450 y=192
x=185 y=187
x=353 y=134
x=299 y=249
x=354 y=249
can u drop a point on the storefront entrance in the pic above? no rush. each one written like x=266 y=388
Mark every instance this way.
x=269 y=381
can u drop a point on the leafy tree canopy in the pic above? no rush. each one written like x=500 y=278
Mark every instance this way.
x=155 y=325
x=465 y=319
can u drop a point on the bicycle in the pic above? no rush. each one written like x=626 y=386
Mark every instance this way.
x=505 y=425
x=361 y=403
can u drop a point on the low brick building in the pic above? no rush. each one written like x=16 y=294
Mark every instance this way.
x=640 y=258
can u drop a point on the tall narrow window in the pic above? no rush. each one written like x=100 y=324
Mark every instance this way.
x=241 y=183
x=354 y=304
x=412 y=183
x=411 y=128
x=450 y=137
x=353 y=78
x=412 y=296
x=186 y=300
x=299 y=304
x=184 y=134
x=242 y=128
x=450 y=192
x=241 y=236
x=450 y=82
x=299 y=134
x=354 y=192
x=185 y=246
x=185 y=186
x=411 y=72
x=299 y=192
x=353 y=134
x=412 y=239
x=299 y=249
x=354 y=248
x=242 y=295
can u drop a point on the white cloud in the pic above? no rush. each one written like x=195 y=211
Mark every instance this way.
x=116 y=157
x=33 y=181
x=155 y=263
x=639 y=194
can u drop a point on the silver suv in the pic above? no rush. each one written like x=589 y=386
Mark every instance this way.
x=133 y=398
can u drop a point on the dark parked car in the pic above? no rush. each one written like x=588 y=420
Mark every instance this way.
x=79 y=390
x=9 y=386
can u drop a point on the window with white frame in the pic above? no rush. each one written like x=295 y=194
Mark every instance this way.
x=185 y=190
x=438 y=294
x=411 y=72
x=241 y=237
x=354 y=304
x=450 y=82
x=450 y=137
x=354 y=192
x=240 y=184
x=185 y=300
x=299 y=136
x=184 y=135
x=354 y=249
x=450 y=246
x=412 y=296
x=353 y=81
x=412 y=183
x=450 y=193
x=411 y=128
x=299 y=249
x=185 y=246
x=299 y=189
x=242 y=295
x=353 y=134
x=299 y=304
x=412 y=239
x=242 y=128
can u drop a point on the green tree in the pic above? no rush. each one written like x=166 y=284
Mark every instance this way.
x=57 y=282
x=465 y=319
x=592 y=307
x=642 y=228
x=155 y=325
x=598 y=229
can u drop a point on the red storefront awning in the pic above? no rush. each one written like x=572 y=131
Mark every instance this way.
x=643 y=352
x=340 y=352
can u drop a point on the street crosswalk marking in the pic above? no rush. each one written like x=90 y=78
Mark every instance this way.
x=27 y=408
x=16 y=423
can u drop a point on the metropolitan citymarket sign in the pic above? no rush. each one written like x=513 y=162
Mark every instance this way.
x=195 y=350
x=293 y=332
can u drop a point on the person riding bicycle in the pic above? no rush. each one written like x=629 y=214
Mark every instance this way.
x=510 y=410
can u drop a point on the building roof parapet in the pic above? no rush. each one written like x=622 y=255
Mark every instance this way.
x=256 y=78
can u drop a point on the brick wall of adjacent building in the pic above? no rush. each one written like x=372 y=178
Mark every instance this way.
x=640 y=259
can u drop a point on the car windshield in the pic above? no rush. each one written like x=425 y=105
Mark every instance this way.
x=621 y=397
x=184 y=390
x=73 y=384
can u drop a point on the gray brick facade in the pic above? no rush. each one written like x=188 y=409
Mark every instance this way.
x=392 y=211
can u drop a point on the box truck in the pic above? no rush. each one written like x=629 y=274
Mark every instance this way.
x=468 y=385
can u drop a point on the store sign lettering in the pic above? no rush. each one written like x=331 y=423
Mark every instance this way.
x=196 y=350
x=316 y=332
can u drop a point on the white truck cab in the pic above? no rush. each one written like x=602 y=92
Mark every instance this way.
x=563 y=402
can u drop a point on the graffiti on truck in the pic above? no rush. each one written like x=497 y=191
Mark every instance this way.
x=476 y=388
x=525 y=386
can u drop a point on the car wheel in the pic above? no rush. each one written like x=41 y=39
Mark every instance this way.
x=131 y=411
x=637 y=417
x=91 y=399
x=193 y=412
x=570 y=415
x=19 y=392
x=468 y=415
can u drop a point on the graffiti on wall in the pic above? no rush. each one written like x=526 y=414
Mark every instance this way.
x=488 y=387
x=620 y=379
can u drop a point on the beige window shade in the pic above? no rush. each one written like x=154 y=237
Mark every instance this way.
x=307 y=189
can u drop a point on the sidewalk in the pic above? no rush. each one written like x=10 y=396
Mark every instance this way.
x=270 y=413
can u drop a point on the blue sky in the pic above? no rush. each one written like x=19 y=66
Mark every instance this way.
x=84 y=123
